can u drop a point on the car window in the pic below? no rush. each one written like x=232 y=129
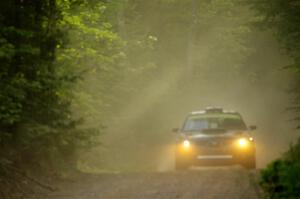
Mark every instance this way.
x=214 y=121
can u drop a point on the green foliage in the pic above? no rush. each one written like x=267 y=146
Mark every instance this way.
x=38 y=75
x=293 y=155
x=282 y=17
x=281 y=178
x=97 y=56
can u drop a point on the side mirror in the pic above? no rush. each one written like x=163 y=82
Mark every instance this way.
x=175 y=130
x=252 y=127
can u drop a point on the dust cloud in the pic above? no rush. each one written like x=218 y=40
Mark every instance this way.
x=216 y=63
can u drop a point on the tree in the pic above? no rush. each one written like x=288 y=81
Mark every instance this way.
x=38 y=78
x=279 y=179
x=282 y=17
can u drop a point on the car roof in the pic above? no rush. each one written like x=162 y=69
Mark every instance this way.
x=213 y=110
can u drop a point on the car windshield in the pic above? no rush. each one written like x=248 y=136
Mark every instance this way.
x=214 y=121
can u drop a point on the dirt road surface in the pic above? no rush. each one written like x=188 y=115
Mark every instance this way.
x=197 y=183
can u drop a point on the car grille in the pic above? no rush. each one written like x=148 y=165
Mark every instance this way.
x=214 y=146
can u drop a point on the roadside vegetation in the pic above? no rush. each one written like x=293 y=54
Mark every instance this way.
x=41 y=69
x=281 y=178
x=39 y=73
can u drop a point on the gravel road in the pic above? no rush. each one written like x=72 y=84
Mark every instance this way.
x=198 y=183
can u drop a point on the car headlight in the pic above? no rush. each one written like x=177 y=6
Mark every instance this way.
x=186 y=144
x=243 y=142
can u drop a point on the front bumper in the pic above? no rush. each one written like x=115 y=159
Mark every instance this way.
x=220 y=155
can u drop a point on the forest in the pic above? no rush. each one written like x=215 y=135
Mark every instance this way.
x=96 y=85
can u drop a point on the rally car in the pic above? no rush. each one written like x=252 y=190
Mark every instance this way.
x=214 y=137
